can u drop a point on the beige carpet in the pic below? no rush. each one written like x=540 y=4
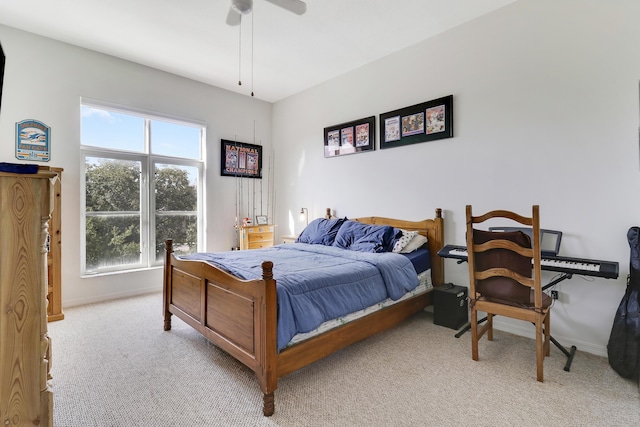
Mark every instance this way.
x=113 y=365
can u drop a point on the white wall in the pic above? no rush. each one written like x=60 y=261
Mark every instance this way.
x=45 y=80
x=545 y=112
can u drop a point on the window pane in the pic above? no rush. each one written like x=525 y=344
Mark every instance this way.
x=109 y=129
x=112 y=198
x=112 y=241
x=171 y=139
x=112 y=185
x=182 y=229
x=176 y=188
x=176 y=207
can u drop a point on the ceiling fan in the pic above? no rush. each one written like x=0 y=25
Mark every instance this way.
x=243 y=7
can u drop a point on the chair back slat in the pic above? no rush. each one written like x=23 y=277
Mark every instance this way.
x=503 y=244
x=505 y=272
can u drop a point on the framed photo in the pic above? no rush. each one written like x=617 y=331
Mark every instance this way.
x=261 y=220
x=346 y=141
x=413 y=124
x=240 y=159
x=428 y=121
x=392 y=129
x=351 y=137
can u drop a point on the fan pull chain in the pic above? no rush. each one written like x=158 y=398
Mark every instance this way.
x=240 y=52
x=252 y=13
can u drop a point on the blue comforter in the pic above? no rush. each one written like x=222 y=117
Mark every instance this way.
x=316 y=283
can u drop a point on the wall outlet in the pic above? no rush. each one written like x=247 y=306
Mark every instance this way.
x=555 y=294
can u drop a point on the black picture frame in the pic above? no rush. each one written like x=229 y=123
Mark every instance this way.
x=351 y=137
x=2 y=61
x=240 y=159
x=427 y=121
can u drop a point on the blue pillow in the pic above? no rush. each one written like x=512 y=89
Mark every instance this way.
x=356 y=236
x=321 y=231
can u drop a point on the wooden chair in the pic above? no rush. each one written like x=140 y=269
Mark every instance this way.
x=501 y=264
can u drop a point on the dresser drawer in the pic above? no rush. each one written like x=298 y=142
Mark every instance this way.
x=260 y=237
x=260 y=245
x=259 y=229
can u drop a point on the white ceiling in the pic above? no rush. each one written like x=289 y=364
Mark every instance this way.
x=290 y=52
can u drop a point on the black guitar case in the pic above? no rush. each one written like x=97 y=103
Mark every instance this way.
x=624 y=342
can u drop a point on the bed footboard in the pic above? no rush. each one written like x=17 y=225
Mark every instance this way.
x=238 y=316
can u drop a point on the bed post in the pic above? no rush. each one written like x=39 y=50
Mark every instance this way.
x=269 y=363
x=166 y=288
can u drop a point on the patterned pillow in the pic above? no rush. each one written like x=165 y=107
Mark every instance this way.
x=403 y=240
x=415 y=243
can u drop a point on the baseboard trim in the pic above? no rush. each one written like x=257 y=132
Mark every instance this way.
x=111 y=297
x=522 y=330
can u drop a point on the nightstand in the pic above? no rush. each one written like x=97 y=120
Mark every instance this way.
x=256 y=236
x=288 y=239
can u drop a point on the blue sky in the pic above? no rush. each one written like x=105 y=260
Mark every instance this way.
x=118 y=131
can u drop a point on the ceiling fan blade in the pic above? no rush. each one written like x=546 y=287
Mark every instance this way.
x=296 y=6
x=233 y=18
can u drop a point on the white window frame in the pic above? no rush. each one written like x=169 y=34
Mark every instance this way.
x=147 y=186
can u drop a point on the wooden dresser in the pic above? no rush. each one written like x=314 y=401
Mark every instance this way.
x=26 y=397
x=256 y=236
x=54 y=257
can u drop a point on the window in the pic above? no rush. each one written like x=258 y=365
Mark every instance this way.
x=142 y=185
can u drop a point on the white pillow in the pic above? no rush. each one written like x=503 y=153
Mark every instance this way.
x=407 y=236
x=417 y=241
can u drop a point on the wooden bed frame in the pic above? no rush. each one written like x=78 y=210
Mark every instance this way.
x=240 y=316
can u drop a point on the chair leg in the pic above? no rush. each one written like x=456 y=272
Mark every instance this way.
x=539 y=348
x=474 y=333
x=489 y=327
x=547 y=334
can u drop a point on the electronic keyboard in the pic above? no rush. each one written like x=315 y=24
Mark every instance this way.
x=584 y=267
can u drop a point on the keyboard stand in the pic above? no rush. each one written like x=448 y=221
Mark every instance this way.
x=572 y=351
x=568 y=353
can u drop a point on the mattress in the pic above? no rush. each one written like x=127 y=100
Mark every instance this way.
x=424 y=287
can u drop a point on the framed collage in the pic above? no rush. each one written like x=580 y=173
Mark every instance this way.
x=349 y=138
x=428 y=121
x=240 y=159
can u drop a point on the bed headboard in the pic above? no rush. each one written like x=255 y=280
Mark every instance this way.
x=432 y=229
